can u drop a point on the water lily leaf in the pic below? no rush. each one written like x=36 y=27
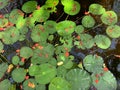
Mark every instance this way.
x=61 y=71
x=49 y=26
x=30 y=22
x=3 y=22
x=29 y=6
x=66 y=2
x=1 y=46
x=79 y=29
x=68 y=65
x=59 y=83
x=102 y=41
x=33 y=70
x=52 y=2
x=93 y=63
x=21 y=23
x=4 y=67
x=41 y=87
x=5 y=84
x=11 y=35
x=41 y=15
x=72 y=8
x=104 y=81
x=26 y=52
x=38 y=34
x=46 y=74
x=18 y=74
x=113 y=31
x=109 y=18
x=29 y=84
x=81 y=80
x=15 y=60
x=88 y=21
x=3 y=3
x=65 y=27
x=15 y=15
x=96 y=9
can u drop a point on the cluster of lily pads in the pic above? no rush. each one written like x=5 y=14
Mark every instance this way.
x=46 y=59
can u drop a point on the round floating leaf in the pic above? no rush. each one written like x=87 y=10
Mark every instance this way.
x=18 y=74
x=5 y=84
x=93 y=63
x=29 y=22
x=26 y=52
x=109 y=18
x=15 y=60
x=88 y=21
x=113 y=31
x=102 y=41
x=38 y=33
x=105 y=81
x=11 y=35
x=3 y=69
x=61 y=71
x=21 y=23
x=33 y=70
x=15 y=15
x=3 y=22
x=59 y=83
x=79 y=29
x=41 y=15
x=66 y=2
x=96 y=9
x=65 y=27
x=3 y=3
x=68 y=65
x=81 y=80
x=72 y=8
x=29 y=84
x=50 y=26
x=1 y=46
x=46 y=73
x=29 y=6
x=41 y=87
x=52 y=2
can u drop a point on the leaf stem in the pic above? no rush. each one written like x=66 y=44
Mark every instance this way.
x=60 y=17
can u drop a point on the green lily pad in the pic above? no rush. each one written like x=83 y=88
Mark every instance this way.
x=5 y=84
x=88 y=21
x=93 y=63
x=26 y=52
x=102 y=41
x=81 y=80
x=18 y=75
x=52 y=2
x=3 y=3
x=50 y=26
x=15 y=60
x=105 y=81
x=66 y=2
x=1 y=46
x=46 y=74
x=113 y=31
x=21 y=23
x=59 y=83
x=4 y=67
x=79 y=29
x=38 y=33
x=72 y=8
x=11 y=35
x=96 y=9
x=30 y=22
x=3 y=22
x=109 y=18
x=65 y=27
x=61 y=71
x=41 y=87
x=29 y=6
x=16 y=15
x=41 y=15
x=33 y=70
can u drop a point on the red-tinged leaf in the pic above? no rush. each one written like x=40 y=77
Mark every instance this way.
x=66 y=54
x=96 y=81
x=105 y=69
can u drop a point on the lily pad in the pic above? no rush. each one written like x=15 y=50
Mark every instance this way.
x=3 y=22
x=29 y=6
x=21 y=23
x=93 y=63
x=109 y=18
x=113 y=31
x=65 y=27
x=30 y=22
x=52 y=2
x=102 y=41
x=1 y=46
x=59 y=83
x=5 y=84
x=15 y=60
x=96 y=9
x=3 y=3
x=26 y=52
x=72 y=8
x=88 y=21
x=66 y=2
x=81 y=80
x=33 y=70
x=46 y=74
x=79 y=29
x=18 y=75
x=4 y=67
x=61 y=71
